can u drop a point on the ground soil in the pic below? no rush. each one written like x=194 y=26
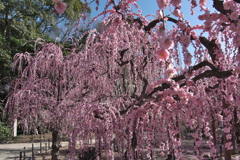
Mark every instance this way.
x=28 y=138
x=187 y=148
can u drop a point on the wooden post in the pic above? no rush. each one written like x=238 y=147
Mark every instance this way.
x=40 y=146
x=32 y=151
x=49 y=144
x=15 y=128
x=46 y=147
x=24 y=153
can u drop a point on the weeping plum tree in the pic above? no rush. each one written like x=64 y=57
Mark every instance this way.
x=137 y=82
x=41 y=91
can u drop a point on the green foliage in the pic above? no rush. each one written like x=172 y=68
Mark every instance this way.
x=74 y=8
x=22 y=22
x=5 y=131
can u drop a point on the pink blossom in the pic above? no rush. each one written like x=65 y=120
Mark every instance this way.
x=229 y=146
x=211 y=144
x=238 y=57
x=238 y=115
x=161 y=30
x=213 y=150
x=237 y=69
x=182 y=26
x=201 y=17
x=232 y=79
x=229 y=136
x=200 y=102
x=236 y=41
x=202 y=2
x=162 y=4
x=219 y=117
x=60 y=6
x=234 y=15
x=185 y=40
x=206 y=129
x=226 y=130
x=198 y=141
x=228 y=4
x=131 y=1
x=194 y=135
x=170 y=73
x=189 y=74
x=166 y=42
x=150 y=88
x=189 y=82
x=177 y=13
x=214 y=16
x=208 y=24
x=193 y=121
x=228 y=118
x=169 y=99
x=162 y=54
x=176 y=3
x=194 y=34
x=188 y=59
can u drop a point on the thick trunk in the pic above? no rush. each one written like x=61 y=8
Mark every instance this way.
x=214 y=131
x=55 y=144
x=134 y=145
x=227 y=153
x=234 y=132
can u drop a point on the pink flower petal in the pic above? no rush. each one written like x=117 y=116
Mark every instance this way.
x=60 y=7
x=162 y=54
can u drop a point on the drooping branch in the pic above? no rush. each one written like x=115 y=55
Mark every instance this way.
x=202 y=64
x=122 y=63
x=207 y=74
x=211 y=46
x=238 y=1
x=218 y=5
x=151 y=24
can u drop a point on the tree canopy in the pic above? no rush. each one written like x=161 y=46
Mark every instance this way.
x=129 y=83
x=23 y=22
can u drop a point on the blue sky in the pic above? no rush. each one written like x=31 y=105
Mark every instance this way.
x=150 y=7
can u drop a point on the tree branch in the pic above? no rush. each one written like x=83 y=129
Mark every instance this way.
x=218 y=5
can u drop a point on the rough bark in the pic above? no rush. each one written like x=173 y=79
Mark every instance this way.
x=227 y=153
x=55 y=144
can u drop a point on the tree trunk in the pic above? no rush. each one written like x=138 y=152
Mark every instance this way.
x=55 y=144
x=134 y=145
x=227 y=153
x=214 y=131
x=234 y=132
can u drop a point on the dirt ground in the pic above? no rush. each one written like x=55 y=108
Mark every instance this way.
x=28 y=138
x=187 y=149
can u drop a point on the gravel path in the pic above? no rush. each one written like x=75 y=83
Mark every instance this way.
x=12 y=151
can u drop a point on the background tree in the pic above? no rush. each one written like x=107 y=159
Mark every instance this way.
x=22 y=22
x=25 y=21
